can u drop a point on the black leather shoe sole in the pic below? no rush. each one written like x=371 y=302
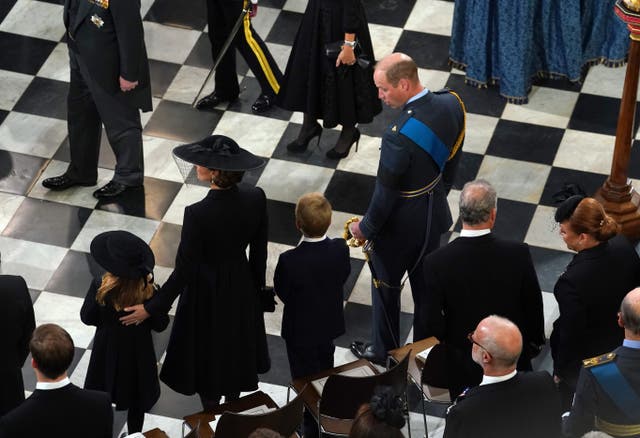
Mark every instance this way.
x=62 y=183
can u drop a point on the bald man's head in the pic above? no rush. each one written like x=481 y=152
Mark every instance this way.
x=396 y=77
x=501 y=339
x=630 y=312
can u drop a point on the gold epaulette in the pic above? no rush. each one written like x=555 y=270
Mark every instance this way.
x=617 y=429
x=598 y=360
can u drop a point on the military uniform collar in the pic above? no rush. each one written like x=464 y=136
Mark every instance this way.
x=631 y=344
x=417 y=96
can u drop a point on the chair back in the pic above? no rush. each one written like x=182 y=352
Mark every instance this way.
x=342 y=396
x=435 y=376
x=284 y=420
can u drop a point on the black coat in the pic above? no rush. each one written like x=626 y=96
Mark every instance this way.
x=16 y=325
x=470 y=279
x=309 y=280
x=112 y=49
x=525 y=406
x=218 y=341
x=591 y=400
x=312 y=84
x=68 y=412
x=123 y=361
x=589 y=293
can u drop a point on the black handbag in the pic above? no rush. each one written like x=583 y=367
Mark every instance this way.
x=267 y=299
x=332 y=50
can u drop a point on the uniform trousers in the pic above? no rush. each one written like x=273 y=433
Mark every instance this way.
x=390 y=262
x=306 y=361
x=222 y=15
x=88 y=107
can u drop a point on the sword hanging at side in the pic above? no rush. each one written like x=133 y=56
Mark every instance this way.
x=245 y=10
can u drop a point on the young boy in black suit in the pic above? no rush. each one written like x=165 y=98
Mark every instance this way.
x=309 y=280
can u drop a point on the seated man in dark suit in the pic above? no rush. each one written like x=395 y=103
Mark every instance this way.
x=607 y=396
x=57 y=408
x=476 y=275
x=16 y=324
x=507 y=403
x=309 y=280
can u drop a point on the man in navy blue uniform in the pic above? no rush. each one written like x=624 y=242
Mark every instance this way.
x=607 y=396
x=408 y=211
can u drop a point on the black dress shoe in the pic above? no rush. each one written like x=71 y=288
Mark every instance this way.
x=111 y=190
x=212 y=100
x=364 y=350
x=63 y=182
x=263 y=103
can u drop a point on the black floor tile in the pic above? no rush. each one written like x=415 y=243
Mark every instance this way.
x=388 y=12
x=150 y=201
x=23 y=54
x=75 y=274
x=165 y=244
x=350 y=191
x=278 y=4
x=5 y=7
x=181 y=122
x=279 y=373
x=44 y=97
x=358 y=324
x=634 y=159
x=560 y=177
x=486 y=101
x=549 y=264
x=558 y=84
x=47 y=222
x=3 y=115
x=200 y=55
x=427 y=50
x=597 y=114
x=357 y=265
x=19 y=171
x=526 y=142
x=106 y=158
x=467 y=169
x=511 y=217
x=282 y=223
x=314 y=154
x=162 y=74
x=190 y=14
x=284 y=29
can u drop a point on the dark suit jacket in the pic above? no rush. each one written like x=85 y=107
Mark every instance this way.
x=525 y=406
x=589 y=294
x=16 y=324
x=470 y=279
x=114 y=48
x=68 y=412
x=591 y=400
x=309 y=280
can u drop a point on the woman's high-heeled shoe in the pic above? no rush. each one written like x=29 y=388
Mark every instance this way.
x=300 y=144
x=337 y=155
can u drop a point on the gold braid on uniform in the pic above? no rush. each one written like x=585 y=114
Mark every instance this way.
x=346 y=234
x=458 y=143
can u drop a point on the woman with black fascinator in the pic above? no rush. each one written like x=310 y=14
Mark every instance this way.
x=382 y=417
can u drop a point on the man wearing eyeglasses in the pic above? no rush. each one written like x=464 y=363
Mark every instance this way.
x=507 y=403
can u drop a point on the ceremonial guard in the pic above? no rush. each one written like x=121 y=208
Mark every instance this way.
x=221 y=16
x=408 y=211
x=607 y=397
x=109 y=83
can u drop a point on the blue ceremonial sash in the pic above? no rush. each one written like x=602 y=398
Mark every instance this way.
x=617 y=388
x=423 y=136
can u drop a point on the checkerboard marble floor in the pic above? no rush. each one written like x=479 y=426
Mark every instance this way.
x=564 y=135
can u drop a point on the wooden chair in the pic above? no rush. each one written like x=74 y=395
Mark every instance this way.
x=284 y=420
x=434 y=381
x=342 y=396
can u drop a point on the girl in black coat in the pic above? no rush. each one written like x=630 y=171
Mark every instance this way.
x=123 y=360
x=333 y=86
x=589 y=292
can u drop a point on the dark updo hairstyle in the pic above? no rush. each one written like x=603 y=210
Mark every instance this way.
x=590 y=218
x=228 y=178
x=382 y=417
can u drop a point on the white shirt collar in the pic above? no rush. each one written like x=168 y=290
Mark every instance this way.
x=313 y=239
x=474 y=233
x=53 y=385
x=488 y=380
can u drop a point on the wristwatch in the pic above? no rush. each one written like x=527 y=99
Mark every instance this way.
x=351 y=44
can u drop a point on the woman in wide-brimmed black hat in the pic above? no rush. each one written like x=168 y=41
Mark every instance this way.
x=123 y=360
x=218 y=343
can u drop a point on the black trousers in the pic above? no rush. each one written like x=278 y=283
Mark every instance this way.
x=221 y=16
x=88 y=107
x=305 y=361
